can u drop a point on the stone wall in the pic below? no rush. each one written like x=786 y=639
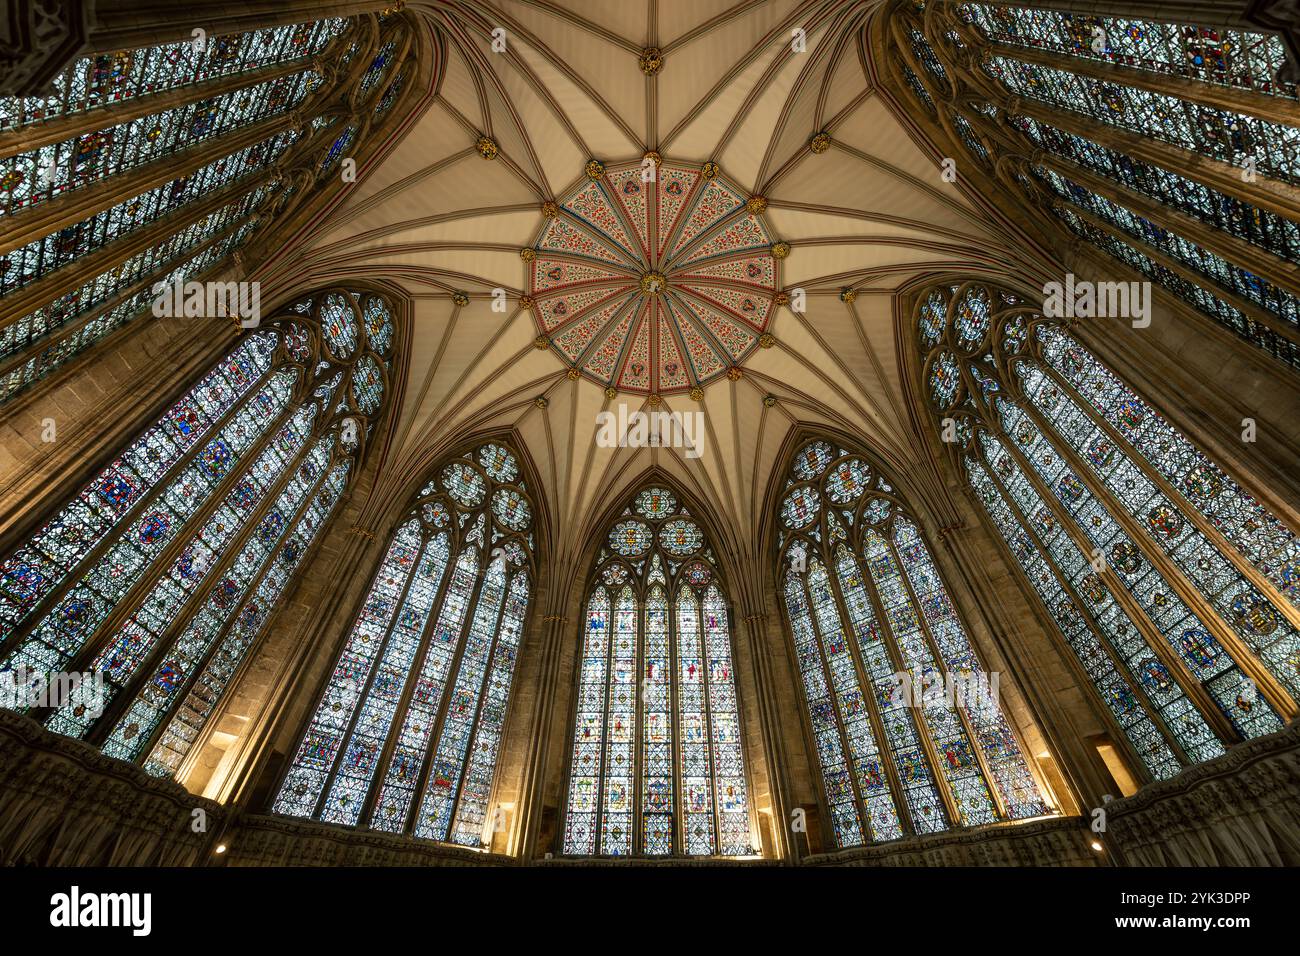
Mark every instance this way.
x=1242 y=809
x=63 y=803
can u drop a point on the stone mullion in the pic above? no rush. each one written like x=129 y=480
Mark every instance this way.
x=531 y=789
x=1193 y=687
x=990 y=778
x=1217 y=12
x=22 y=301
x=78 y=205
x=604 y=716
x=1226 y=547
x=412 y=678
x=50 y=286
x=963 y=618
x=157 y=568
x=885 y=745
x=1233 y=99
x=769 y=726
x=21 y=357
x=714 y=804
x=478 y=710
x=867 y=690
x=674 y=729
x=499 y=767
x=1049 y=716
x=219 y=706
x=751 y=803
x=1191 y=595
x=923 y=732
x=1251 y=309
x=126 y=520
x=638 y=738
x=332 y=774
x=103 y=726
x=69 y=125
x=1068 y=654
x=1275 y=196
x=1246 y=254
x=449 y=685
x=939 y=92
x=841 y=724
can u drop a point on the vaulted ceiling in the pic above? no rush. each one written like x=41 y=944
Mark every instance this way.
x=436 y=218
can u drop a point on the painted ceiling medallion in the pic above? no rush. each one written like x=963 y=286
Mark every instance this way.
x=653 y=287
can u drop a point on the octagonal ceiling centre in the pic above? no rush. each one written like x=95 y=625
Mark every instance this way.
x=653 y=277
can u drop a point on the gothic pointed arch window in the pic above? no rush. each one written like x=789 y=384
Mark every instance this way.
x=407 y=730
x=657 y=766
x=1175 y=589
x=1171 y=147
x=906 y=721
x=153 y=166
x=160 y=575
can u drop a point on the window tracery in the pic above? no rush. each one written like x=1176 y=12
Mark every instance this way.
x=1174 y=587
x=160 y=575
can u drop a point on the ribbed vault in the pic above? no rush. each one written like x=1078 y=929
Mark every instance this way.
x=863 y=209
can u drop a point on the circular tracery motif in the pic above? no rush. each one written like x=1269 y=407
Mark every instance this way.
x=498 y=463
x=630 y=538
x=848 y=480
x=680 y=537
x=655 y=503
x=653 y=286
x=463 y=483
x=800 y=508
x=511 y=509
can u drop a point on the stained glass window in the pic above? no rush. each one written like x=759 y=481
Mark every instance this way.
x=201 y=170
x=1174 y=588
x=407 y=730
x=162 y=573
x=657 y=766
x=1054 y=90
x=906 y=720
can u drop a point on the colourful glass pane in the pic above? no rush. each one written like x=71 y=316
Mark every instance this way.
x=432 y=657
x=630 y=538
x=681 y=537
x=1225 y=57
x=657 y=766
x=655 y=503
x=800 y=508
x=101 y=80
